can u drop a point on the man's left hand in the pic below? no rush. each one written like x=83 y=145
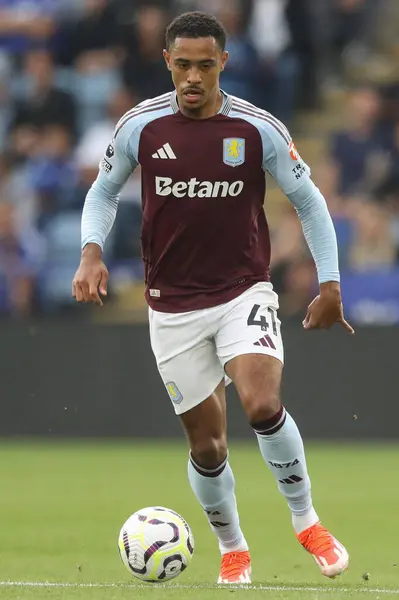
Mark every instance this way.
x=326 y=309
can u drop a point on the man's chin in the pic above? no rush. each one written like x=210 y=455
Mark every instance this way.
x=191 y=102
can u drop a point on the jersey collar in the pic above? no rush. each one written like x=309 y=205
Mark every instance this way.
x=226 y=107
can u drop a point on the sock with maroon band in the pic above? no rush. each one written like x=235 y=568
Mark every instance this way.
x=214 y=489
x=282 y=449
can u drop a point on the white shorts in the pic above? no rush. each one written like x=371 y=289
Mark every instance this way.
x=192 y=348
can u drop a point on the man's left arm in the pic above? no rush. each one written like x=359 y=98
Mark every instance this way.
x=292 y=174
x=320 y=236
x=318 y=230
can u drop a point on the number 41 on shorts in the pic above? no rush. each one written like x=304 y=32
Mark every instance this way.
x=262 y=322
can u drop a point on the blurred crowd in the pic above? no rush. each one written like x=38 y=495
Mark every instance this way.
x=360 y=180
x=70 y=68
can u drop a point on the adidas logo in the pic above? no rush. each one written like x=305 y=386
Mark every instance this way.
x=165 y=152
x=266 y=341
x=215 y=524
x=291 y=479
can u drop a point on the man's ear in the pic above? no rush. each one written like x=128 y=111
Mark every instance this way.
x=166 y=56
x=225 y=57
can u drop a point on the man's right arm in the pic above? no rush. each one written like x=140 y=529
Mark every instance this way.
x=101 y=202
x=98 y=216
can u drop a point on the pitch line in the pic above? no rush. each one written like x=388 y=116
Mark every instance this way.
x=178 y=586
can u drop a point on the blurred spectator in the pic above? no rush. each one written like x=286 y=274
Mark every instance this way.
x=390 y=104
x=287 y=242
x=5 y=100
x=211 y=6
x=69 y=69
x=42 y=102
x=351 y=25
x=21 y=256
x=299 y=288
x=374 y=245
x=96 y=137
x=125 y=241
x=389 y=186
x=388 y=190
x=23 y=142
x=242 y=73
x=270 y=32
x=143 y=69
x=215 y=6
x=52 y=175
x=92 y=54
x=358 y=152
x=300 y=15
x=91 y=42
x=14 y=187
x=26 y=23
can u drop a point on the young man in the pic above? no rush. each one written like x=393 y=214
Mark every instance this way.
x=206 y=249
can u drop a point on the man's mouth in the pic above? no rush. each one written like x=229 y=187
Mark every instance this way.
x=192 y=95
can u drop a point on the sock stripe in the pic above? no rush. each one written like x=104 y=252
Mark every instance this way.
x=209 y=472
x=273 y=425
x=276 y=428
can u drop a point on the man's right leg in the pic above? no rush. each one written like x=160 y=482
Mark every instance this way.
x=194 y=379
x=212 y=482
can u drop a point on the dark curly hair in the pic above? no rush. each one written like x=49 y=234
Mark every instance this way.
x=195 y=24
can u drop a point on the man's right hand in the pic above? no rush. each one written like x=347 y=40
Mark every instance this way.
x=91 y=278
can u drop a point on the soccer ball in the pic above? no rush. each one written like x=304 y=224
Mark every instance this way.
x=156 y=544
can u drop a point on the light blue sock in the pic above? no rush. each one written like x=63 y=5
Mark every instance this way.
x=282 y=449
x=214 y=490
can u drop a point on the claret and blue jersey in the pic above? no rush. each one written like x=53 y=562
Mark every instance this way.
x=205 y=237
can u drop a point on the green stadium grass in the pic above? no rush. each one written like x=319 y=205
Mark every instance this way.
x=62 y=505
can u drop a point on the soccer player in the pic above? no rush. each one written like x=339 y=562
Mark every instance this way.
x=206 y=249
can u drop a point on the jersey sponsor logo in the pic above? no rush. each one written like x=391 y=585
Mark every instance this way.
x=299 y=170
x=174 y=393
x=234 y=151
x=105 y=165
x=165 y=186
x=110 y=151
x=293 y=151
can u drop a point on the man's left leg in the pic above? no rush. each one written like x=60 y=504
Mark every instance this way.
x=257 y=378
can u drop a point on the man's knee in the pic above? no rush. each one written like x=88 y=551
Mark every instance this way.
x=257 y=379
x=260 y=406
x=209 y=452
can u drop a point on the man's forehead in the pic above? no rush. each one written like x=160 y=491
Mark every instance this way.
x=206 y=47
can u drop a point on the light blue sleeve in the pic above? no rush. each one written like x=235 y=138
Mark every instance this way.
x=282 y=160
x=280 y=157
x=101 y=204
x=318 y=230
x=120 y=160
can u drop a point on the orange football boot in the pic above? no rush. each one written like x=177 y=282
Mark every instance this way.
x=329 y=554
x=235 y=568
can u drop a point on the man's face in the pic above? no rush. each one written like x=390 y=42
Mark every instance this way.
x=195 y=64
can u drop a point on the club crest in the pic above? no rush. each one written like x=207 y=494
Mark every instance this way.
x=234 y=151
x=174 y=393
